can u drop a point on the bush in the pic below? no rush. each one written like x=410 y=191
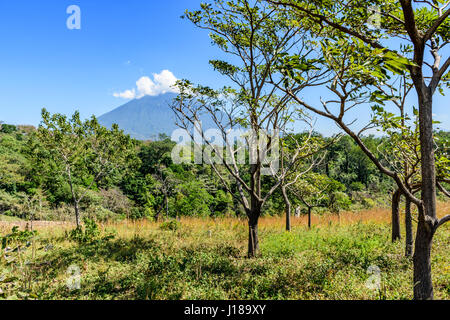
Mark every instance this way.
x=357 y=186
x=339 y=201
x=91 y=199
x=18 y=238
x=102 y=214
x=11 y=205
x=89 y=234
x=114 y=200
x=140 y=213
x=172 y=225
x=368 y=203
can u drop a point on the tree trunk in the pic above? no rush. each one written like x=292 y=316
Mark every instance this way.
x=287 y=208
x=166 y=201
x=74 y=197
x=408 y=227
x=253 y=240
x=396 y=216
x=423 y=286
x=309 y=217
x=255 y=210
x=158 y=213
x=77 y=214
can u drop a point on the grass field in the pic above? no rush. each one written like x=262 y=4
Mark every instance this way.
x=205 y=259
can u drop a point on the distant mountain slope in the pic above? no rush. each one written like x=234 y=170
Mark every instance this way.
x=144 y=118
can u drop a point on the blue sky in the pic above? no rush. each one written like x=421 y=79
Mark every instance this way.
x=44 y=64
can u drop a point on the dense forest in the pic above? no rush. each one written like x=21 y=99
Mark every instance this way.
x=150 y=185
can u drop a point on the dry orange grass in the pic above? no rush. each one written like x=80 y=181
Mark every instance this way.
x=5 y=227
x=376 y=215
x=130 y=228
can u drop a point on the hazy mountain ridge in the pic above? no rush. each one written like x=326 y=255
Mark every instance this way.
x=148 y=117
x=143 y=118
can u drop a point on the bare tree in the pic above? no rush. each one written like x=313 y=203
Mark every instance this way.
x=166 y=185
x=252 y=35
x=225 y=109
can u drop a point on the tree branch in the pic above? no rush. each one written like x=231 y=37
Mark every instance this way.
x=322 y=18
x=439 y=74
x=442 y=222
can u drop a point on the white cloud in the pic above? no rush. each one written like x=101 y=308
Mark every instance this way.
x=127 y=94
x=162 y=83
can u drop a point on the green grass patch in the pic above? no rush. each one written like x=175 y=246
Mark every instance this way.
x=209 y=263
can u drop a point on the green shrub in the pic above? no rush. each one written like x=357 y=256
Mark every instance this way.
x=357 y=186
x=141 y=213
x=171 y=225
x=102 y=214
x=17 y=238
x=89 y=234
x=368 y=203
x=339 y=201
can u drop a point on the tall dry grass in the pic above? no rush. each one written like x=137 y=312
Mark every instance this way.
x=375 y=215
x=130 y=228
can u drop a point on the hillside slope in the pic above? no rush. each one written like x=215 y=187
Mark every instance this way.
x=144 y=118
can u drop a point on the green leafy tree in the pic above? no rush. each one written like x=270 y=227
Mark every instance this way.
x=317 y=190
x=13 y=165
x=84 y=152
x=192 y=199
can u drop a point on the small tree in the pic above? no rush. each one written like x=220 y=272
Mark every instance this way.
x=165 y=184
x=315 y=191
x=310 y=146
